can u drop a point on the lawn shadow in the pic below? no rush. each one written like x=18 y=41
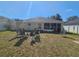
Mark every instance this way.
x=68 y=37
x=13 y=38
x=20 y=41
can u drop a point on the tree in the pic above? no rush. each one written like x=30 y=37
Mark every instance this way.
x=56 y=17
x=52 y=17
x=73 y=18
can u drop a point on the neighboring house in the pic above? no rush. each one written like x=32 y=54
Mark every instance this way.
x=7 y=24
x=2 y=26
x=72 y=26
x=3 y=23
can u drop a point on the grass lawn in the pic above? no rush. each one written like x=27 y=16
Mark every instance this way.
x=51 y=45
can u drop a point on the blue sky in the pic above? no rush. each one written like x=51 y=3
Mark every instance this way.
x=29 y=9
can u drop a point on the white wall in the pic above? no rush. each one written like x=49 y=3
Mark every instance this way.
x=72 y=28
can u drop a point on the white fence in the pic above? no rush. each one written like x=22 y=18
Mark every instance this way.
x=72 y=28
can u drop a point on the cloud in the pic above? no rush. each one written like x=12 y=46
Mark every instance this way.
x=55 y=11
x=69 y=10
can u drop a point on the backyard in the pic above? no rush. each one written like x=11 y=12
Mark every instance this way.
x=51 y=45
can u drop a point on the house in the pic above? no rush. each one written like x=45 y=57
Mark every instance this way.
x=2 y=26
x=38 y=23
x=16 y=24
x=12 y=25
x=3 y=23
x=43 y=24
x=72 y=26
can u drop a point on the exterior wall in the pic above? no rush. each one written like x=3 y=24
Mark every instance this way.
x=35 y=25
x=62 y=28
x=13 y=25
x=2 y=27
x=26 y=26
x=32 y=26
x=72 y=28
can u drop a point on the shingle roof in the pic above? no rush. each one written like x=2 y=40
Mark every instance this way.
x=72 y=22
x=43 y=20
x=3 y=20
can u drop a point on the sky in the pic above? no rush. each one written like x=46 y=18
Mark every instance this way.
x=29 y=9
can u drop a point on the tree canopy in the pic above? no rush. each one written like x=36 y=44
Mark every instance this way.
x=72 y=18
x=56 y=17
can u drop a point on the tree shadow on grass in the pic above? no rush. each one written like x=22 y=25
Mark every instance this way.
x=68 y=37
x=13 y=38
x=20 y=41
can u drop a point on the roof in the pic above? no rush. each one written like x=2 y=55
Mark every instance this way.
x=3 y=20
x=43 y=20
x=72 y=22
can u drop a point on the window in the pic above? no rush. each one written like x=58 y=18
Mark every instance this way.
x=49 y=25
x=46 y=26
x=29 y=24
x=53 y=25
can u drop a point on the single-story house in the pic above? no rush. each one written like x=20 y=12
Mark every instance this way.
x=48 y=25
x=39 y=23
x=72 y=26
x=3 y=23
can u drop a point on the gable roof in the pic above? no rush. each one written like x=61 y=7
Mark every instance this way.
x=42 y=20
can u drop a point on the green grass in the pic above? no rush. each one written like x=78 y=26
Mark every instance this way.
x=51 y=45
